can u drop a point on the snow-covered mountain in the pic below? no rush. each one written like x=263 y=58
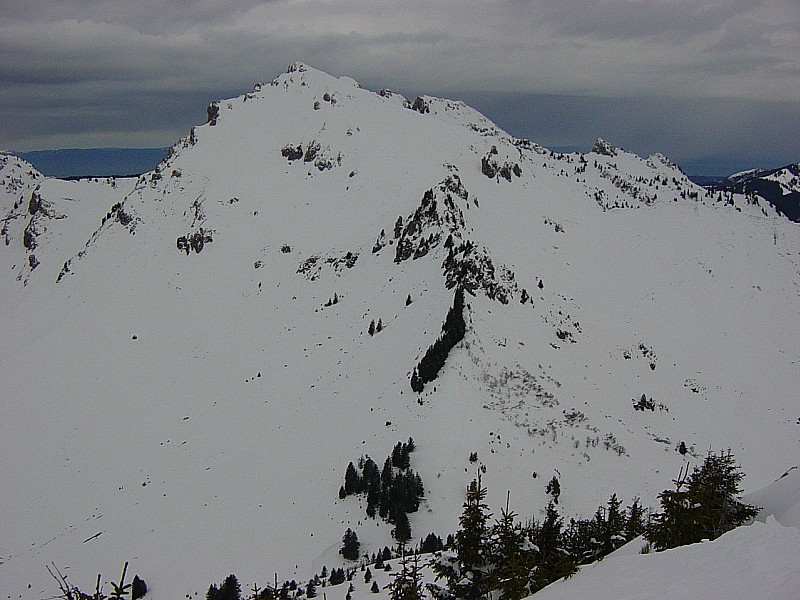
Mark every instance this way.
x=187 y=367
x=779 y=187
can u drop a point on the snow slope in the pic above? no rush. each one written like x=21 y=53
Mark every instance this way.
x=194 y=412
x=755 y=561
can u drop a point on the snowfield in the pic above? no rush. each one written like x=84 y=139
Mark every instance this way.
x=179 y=390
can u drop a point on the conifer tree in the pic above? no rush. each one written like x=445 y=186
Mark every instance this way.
x=352 y=481
x=511 y=564
x=213 y=592
x=372 y=483
x=552 y=561
x=704 y=505
x=635 y=522
x=229 y=590
x=350 y=545
x=407 y=583
x=466 y=573
x=337 y=576
x=580 y=540
x=402 y=527
x=432 y=543
x=613 y=534
x=397 y=453
x=387 y=480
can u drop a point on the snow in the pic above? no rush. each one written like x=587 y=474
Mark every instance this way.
x=756 y=561
x=745 y=173
x=198 y=411
x=779 y=500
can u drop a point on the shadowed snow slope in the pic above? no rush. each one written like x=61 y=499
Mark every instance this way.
x=186 y=368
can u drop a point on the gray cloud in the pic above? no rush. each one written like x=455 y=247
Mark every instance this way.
x=57 y=57
x=668 y=20
x=146 y=16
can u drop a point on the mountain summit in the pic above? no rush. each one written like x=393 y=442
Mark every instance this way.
x=193 y=357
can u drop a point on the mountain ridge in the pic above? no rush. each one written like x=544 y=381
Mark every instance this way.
x=780 y=187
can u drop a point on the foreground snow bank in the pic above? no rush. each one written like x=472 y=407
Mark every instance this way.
x=757 y=561
x=780 y=499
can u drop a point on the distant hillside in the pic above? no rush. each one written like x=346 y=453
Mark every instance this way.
x=707 y=180
x=95 y=162
x=780 y=187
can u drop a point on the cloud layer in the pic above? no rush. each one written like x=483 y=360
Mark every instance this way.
x=96 y=69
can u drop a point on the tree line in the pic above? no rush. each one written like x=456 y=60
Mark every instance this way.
x=392 y=493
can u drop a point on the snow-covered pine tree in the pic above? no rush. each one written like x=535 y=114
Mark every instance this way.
x=407 y=583
x=466 y=572
x=636 y=520
x=613 y=535
x=704 y=505
x=511 y=562
x=552 y=562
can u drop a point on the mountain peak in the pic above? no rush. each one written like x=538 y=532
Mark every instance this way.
x=601 y=146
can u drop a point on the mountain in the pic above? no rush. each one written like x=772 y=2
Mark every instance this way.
x=780 y=187
x=188 y=369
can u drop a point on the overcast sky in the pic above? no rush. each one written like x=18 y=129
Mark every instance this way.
x=714 y=84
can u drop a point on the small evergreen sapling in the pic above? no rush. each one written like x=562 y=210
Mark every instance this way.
x=407 y=583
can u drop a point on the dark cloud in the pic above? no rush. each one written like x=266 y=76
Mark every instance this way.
x=146 y=16
x=673 y=20
x=58 y=58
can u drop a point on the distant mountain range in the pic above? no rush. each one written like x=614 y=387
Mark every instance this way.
x=95 y=162
x=780 y=187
